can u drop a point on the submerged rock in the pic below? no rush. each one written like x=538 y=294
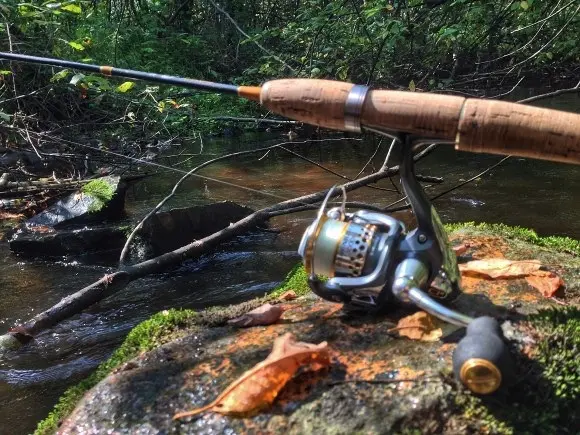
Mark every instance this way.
x=77 y=241
x=166 y=231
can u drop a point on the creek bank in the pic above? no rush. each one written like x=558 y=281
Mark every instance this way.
x=377 y=383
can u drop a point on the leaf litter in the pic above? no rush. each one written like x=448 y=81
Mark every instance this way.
x=258 y=387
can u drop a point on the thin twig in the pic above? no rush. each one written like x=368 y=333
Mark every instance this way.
x=268 y=52
x=574 y=90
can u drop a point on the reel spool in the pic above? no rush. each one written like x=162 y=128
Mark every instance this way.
x=353 y=250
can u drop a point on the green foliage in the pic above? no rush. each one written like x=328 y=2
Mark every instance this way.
x=559 y=350
x=387 y=43
x=296 y=280
x=147 y=335
x=101 y=190
x=562 y=244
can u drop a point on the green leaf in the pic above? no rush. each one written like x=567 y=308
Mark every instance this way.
x=5 y=117
x=60 y=75
x=76 y=46
x=5 y=72
x=75 y=9
x=412 y=86
x=124 y=87
x=524 y=5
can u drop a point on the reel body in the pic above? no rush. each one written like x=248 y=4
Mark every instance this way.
x=368 y=261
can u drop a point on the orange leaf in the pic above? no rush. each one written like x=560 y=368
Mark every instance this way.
x=547 y=282
x=419 y=326
x=258 y=387
x=461 y=249
x=266 y=314
x=290 y=295
x=499 y=268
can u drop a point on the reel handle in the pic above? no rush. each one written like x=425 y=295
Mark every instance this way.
x=481 y=360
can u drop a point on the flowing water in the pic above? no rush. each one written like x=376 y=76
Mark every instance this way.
x=540 y=195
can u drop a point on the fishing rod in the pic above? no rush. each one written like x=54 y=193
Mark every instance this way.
x=471 y=124
x=368 y=259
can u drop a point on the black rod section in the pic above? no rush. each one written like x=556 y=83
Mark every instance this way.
x=127 y=73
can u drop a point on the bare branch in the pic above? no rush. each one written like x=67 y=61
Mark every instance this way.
x=574 y=90
x=268 y=52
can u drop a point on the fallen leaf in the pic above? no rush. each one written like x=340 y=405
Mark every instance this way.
x=419 y=326
x=290 y=295
x=259 y=386
x=499 y=268
x=461 y=249
x=547 y=282
x=266 y=314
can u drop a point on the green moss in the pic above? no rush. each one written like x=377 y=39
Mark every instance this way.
x=559 y=351
x=296 y=280
x=147 y=335
x=562 y=244
x=101 y=191
x=546 y=397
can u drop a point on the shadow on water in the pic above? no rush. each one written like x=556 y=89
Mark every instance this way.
x=540 y=195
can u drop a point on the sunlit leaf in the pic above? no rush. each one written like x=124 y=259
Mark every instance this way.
x=266 y=314
x=75 y=9
x=420 y=326
x=412 y=86
x=5 y=72
x=60 y=75
x=497 y=268
x=76 y=79
x=524 y=5
x=76 y=45
x=124 y=87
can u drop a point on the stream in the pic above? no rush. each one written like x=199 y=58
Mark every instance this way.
x=540 y=195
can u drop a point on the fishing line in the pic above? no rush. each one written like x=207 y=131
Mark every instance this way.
x=205 y=177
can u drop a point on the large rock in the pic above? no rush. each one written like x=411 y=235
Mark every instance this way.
x=166 y=231
x=98 y=200
x=73 y=225
x=377 y=383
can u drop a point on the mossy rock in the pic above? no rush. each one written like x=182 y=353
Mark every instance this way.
x=181 y=360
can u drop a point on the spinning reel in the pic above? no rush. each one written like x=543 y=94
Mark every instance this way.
x=368 y=261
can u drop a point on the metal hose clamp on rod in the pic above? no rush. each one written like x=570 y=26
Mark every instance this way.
x=353 y=108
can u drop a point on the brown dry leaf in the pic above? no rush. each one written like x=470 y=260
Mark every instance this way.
x=461 y=249
x=259 y=386
x=499 y=268
x=290 y=295
x=266 y=314
x=547 y=282
x=419 y=326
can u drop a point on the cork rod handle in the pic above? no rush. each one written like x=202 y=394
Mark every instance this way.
x=475 y=125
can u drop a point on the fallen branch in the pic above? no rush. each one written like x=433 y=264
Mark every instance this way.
x=113 y=283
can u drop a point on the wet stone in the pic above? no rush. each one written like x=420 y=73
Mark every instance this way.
x=377 y=382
